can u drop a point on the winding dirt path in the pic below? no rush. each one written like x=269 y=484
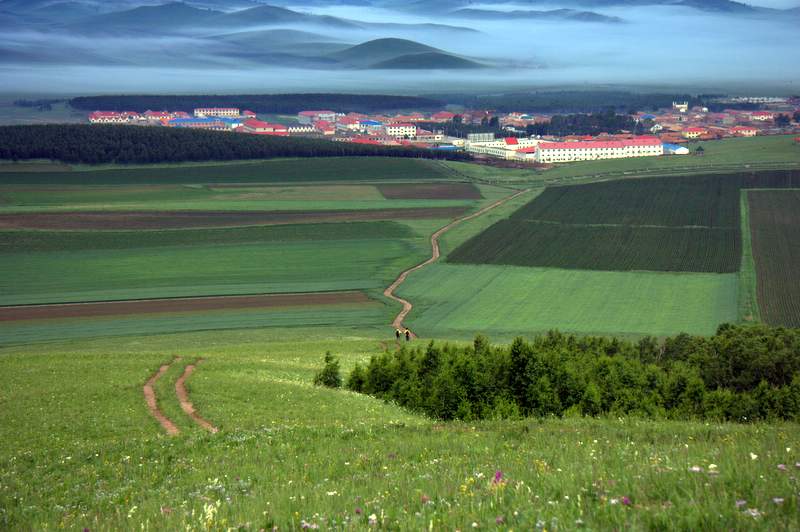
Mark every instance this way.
x=186 y=404
x=152 y=403
x=407 y=306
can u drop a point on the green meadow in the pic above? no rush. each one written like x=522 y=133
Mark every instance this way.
x=86 y=454
x=504 y=301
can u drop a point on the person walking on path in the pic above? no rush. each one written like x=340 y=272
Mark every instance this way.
x=408 y=335
x=397 y=333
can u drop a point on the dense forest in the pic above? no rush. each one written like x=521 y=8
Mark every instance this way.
x=259 y=103
x=590 y=124
x=589 y=101
x=742 y=373
x=95 y=144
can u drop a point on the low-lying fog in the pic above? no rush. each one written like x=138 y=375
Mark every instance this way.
x=660 y=46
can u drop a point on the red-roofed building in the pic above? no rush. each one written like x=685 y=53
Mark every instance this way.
x=693 y=132
x=325 y=127
x=743 y=131
x=257 y=127
x=248 y=114
x=442 y=116
x=556 y=152
x=112 y=117
x=309 y=117
x=762 y=116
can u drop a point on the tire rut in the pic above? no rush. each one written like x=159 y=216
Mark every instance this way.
x=152 y=401
x=186 y=403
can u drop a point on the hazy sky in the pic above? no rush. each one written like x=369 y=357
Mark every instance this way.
x=774 y=3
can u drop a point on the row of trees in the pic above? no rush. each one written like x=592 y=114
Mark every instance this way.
x=95 y=144
x=742 y=373
x=260 y=103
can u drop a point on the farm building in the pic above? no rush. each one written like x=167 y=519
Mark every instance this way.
x=675 y=149
x=693 y=132
x=309 y=117
x=743 y=131
x=216 y=112
x=762 y=116
x=215 y=124
x=257 y=127
x=112 y=117
x=559 y=152
x=401 y=130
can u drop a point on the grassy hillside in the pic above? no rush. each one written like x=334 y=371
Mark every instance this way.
x=290 y=453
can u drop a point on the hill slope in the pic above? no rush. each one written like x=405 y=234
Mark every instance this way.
x=427 y=60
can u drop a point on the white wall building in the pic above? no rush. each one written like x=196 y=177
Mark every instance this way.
x=562 y=152
x=217 y=112
x=401 y=130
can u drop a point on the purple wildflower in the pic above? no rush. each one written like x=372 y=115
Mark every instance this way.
x=740 y=503
x=498 y=477
x=626 y=501
x=499 y=520
x=781 y=467
x=359 y=511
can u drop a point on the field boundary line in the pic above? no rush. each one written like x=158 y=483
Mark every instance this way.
x=152 y=402
x=186 y=403
x=435 y=254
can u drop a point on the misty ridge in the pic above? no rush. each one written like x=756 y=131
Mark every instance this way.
x=388 y=45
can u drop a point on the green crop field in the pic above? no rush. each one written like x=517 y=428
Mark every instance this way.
x=667 y=224
x=85 y=453
x=775 y=230
x=272 y=171
x=503 y=301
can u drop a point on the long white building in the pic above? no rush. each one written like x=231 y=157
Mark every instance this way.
x=563 y=152
x=217 y=112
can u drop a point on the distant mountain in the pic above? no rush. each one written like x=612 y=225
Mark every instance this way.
x=272 y=16
x=378 y=50
x=553 y=14
x=272 y=37
x=164 y=18
x=426 y=61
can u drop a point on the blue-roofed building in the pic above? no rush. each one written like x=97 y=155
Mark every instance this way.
x=370 y=126
x=675 y=149
x=212 y=123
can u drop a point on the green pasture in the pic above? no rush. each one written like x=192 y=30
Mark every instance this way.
x=86 y=454
x=503 y=301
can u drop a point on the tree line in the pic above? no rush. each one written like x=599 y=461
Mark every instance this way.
x=103 y=144
x=742 y=373
x=259 y=103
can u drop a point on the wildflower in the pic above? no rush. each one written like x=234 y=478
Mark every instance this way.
x=359 y=511
x=425 y=499
x=308 y=526
x=474 y=524
x=740 y=503
x=373 y=519
x=498 y=477
x=781 y=467
x=499 y=520
x=579 y=523
x=331 y=493
x=712 y=467
x=753 y=456
x=626 y=501
x=777 y=500
x=613 y=501
x=797 y=465
x=753 y=512
x=696 y=469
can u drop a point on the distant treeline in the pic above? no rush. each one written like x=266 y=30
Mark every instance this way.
x=589 y=124
x=96 y=144
x=589 y=101
x=259 y=103
x=742 y=373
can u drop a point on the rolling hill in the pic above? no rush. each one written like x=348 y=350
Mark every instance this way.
x=426 y=61
x=553 y=14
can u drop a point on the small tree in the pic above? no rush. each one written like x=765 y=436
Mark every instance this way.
x=329 y=376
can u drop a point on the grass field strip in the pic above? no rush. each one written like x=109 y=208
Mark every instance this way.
x=435 y=254
x=748 y=290
x=182 y=394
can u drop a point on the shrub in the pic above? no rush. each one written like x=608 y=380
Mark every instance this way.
x=329 y=375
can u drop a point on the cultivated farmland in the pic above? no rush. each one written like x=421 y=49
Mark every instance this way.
x=775 y=229
x=669 y=224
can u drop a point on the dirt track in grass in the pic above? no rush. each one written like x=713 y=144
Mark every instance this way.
x=435 y=254
x=152 y=402
x=190 y=304
x=138 y=220
x=186 y=403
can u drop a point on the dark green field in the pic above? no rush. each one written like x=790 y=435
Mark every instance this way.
x=682 y=224
x=273 y=171
x=775 y=229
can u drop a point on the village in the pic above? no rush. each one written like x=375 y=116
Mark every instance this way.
x=668 y=131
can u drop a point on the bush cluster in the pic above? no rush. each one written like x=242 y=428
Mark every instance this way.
x=742 y=373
